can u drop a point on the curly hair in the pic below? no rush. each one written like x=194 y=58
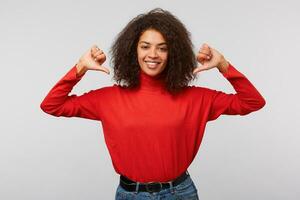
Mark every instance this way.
x=181 y=60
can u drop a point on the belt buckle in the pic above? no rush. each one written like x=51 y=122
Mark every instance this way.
x=153 y=184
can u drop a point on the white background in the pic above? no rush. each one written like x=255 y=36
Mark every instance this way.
x=250 y=157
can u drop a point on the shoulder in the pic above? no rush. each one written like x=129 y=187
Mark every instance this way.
x=199 y=90
x=106 y=90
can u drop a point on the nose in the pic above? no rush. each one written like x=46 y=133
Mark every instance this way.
x=153 y=53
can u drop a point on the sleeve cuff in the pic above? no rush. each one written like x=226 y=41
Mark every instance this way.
x=231 y=72
x=72 y=74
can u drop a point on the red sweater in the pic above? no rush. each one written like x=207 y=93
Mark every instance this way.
x=150 y=134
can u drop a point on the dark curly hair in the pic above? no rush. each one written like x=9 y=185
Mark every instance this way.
x=181 y=59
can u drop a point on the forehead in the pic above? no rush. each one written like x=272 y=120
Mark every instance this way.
x=152 y=36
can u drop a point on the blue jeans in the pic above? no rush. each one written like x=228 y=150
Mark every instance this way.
x=184 y=191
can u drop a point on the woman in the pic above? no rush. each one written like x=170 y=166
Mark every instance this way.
x=153 y=121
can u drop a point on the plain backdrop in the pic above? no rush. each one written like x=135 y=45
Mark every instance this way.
x=44 y=157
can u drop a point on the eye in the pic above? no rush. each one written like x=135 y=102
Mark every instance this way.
x=144 y=47
x=163 y=49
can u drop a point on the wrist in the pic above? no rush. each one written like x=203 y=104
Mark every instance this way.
x=223 y=66
x=81 y=69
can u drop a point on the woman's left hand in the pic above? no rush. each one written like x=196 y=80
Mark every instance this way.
x=210 y=58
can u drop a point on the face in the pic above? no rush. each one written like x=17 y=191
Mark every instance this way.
x=152 y=52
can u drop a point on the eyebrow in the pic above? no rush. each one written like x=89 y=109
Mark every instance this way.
x=163 y=43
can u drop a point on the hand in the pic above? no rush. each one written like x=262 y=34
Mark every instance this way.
x=210 y=58
x=92 y=60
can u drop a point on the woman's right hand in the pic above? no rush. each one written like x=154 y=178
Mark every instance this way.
x=91 y=60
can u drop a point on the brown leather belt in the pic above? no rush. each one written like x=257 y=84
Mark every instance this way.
x=131 y=186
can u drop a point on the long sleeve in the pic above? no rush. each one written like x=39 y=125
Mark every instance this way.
x=58 y=102
x=247 y=98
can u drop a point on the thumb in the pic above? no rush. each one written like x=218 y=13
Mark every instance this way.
x=103 y=69
x=199 y=69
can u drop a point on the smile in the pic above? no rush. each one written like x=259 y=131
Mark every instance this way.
x=152 y=64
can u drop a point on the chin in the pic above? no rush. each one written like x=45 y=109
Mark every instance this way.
x=151 y=72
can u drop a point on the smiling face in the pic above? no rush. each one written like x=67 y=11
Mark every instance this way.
x=152 y=52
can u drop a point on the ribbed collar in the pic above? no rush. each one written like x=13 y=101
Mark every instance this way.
x=151 y=83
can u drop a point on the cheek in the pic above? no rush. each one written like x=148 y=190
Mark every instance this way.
x=139 y=58
x=165 y=57
x=140 y=55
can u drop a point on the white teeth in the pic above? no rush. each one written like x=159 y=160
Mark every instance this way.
x=152 y=62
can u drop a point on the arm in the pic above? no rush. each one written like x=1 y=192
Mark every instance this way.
x=58 y=102
x=246 y=99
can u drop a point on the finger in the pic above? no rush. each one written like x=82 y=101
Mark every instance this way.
x=205 y=49
x=203 y=56
x=94 y=49
x=196 y=70
x=206 y=53
x=97 y=53
x=205 y=45
x=100 y=57
x=200 y=58
x=103 y=69
x=199 y=69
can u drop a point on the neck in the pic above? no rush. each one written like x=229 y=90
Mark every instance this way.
x=151 y=83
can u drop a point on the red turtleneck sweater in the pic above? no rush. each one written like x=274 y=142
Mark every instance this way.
x=150 y=134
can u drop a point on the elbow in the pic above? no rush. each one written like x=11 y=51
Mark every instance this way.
x=249 y=107
x=47 y=109
x=44 y=107
x=262 y=103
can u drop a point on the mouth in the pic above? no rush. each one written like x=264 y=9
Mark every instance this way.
x=152 y=64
